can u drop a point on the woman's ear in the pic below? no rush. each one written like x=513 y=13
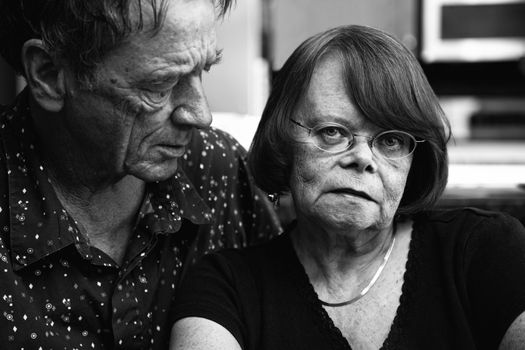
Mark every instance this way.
x=44 y=75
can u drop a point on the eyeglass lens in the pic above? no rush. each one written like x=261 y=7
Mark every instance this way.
x=389 y=144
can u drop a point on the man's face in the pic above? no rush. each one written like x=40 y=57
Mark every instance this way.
x=147 y=96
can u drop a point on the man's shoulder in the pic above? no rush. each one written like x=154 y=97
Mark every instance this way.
x=6 y=112
x=215 y=164
x=213 y=150
x=217 y=140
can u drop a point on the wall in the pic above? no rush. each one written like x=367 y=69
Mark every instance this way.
x=239 y=84
x=295 y=20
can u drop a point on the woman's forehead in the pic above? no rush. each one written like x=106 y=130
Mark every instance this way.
x=345 y=114
x=327 y=97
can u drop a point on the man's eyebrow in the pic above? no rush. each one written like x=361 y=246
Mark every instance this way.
x=159 y=79
x=174 y=76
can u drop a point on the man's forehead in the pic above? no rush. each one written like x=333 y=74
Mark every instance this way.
x=186 y=40
x=179 y=21
x=150 y=15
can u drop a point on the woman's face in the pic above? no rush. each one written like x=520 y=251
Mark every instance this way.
x=353 y=189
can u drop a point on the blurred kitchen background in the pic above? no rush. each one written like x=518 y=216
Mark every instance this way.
x=473 y=52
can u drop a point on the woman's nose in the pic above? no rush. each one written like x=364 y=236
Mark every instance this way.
x=360 y=155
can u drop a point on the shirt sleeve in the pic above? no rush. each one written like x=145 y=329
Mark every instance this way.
x=495 y=270
x=210 y=290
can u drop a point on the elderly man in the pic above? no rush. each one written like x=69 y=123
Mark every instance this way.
x=111 y=182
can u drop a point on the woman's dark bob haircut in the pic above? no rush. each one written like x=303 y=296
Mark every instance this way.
x=385 y=83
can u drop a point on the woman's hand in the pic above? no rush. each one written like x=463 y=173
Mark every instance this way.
x=196 y=333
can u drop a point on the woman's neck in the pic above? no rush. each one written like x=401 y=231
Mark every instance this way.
x=341 y=262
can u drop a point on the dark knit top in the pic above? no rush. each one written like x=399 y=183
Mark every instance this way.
x=464 y=285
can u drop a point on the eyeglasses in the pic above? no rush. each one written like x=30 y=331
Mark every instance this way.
x=335 y=138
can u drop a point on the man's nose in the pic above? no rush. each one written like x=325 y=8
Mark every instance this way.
x=191 y=105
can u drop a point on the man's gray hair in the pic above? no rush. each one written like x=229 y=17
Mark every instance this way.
x=81 y=32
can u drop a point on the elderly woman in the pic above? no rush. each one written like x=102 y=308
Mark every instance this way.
x=354 y=132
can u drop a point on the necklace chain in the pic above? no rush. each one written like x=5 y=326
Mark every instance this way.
x=372 y=281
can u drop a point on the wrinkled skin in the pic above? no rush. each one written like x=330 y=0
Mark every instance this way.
x=136 y=117
x=348 y=191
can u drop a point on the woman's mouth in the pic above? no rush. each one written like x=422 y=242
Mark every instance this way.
x=354 y=193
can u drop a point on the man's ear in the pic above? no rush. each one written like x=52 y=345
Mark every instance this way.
x=44 y=75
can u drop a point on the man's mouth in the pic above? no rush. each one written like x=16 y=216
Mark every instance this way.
x=173 y=150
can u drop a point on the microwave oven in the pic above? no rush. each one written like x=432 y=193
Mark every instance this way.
x=472 y=30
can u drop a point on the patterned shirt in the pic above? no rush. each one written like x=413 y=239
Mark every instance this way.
x=59 y=292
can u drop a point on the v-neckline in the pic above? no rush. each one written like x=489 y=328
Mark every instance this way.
x=306 y=290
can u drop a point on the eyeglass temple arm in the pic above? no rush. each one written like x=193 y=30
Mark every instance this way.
x=301 y=125
x=296 y=123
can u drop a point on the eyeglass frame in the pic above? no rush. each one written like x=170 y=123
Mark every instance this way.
x=370 y=139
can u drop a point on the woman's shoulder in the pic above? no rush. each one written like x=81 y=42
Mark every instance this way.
x=465 y=217
x=463 y=213
x=470 y=226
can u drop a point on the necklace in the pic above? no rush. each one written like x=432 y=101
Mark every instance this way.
x=372 y=281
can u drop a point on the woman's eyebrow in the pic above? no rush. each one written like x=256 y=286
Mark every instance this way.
x=326 y=118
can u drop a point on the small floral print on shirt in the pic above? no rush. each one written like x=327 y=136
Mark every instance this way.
x=59 y=292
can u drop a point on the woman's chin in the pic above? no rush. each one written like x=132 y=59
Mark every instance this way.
x=349 y=219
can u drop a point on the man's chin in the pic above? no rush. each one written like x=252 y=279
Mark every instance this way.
x=157 y=172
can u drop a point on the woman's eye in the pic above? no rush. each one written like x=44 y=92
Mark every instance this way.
x=392 y=142
x=331 y=135
x=331 y=131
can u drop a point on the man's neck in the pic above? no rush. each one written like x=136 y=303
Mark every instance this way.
x=106 y=216
x=104 y=204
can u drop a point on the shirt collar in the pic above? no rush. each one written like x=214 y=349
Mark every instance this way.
x=40 y=226
x=169 y=201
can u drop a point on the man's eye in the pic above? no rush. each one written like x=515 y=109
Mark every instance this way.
x=157 y=97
